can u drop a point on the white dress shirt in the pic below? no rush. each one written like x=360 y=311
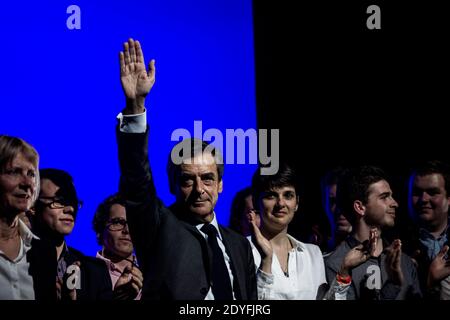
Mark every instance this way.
x=210 y=295
x=306 y=272
x=15 y=281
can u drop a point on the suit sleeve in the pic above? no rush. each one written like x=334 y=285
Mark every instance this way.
x=105 y=289
x=137 y=187
x=252 y=289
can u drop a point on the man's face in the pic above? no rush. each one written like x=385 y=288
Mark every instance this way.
x=198 y=186
x=277 y=207
x=341 y=223
x=17 y=186
x=331 y=190
x=381 y=206
x=116 y=236
x=60 y=219
x=429 y=198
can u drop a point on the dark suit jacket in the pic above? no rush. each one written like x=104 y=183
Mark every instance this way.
x=172 y=252
x=42 y=259
x=95 y=279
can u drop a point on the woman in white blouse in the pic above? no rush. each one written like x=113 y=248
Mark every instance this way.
x=286 y=267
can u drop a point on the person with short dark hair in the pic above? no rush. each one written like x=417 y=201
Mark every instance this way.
x=241 y=206
x=429 y=196
x=287 y=268
x=111 y=227
x=79 y=277
x=184 y=253
x=340 y=226
x=376 y=270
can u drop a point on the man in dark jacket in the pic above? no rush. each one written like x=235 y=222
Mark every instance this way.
x=183 y=251
x=376 y=271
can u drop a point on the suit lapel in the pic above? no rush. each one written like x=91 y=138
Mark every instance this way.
x=233 y=252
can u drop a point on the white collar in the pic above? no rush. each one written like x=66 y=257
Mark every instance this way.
x=26 y=234
x=214 y=223
x=298 y=245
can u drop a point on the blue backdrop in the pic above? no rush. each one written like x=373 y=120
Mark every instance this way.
x=61 y=89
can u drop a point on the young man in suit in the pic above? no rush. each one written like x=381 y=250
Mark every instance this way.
x=54 y=218
x=183 y=251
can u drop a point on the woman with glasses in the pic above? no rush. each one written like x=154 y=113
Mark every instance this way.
x=110 y=226
x=79 y=277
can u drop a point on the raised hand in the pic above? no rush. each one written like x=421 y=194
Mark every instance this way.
x=136 y=80
x=393 y=262
x=439 y=268
x=354 y=258
x=360 y=253
x=262 y=244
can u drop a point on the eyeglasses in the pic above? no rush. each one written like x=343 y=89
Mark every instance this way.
x=116 y=224
x=58 y=203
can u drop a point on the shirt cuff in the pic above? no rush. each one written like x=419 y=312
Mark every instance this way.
x=337 y=291
x=133 y=123
x=341 y=291
x=265 y=277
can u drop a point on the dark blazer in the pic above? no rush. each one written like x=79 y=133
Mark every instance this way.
x=171 y=251
x=95 y=279
x=42 y=259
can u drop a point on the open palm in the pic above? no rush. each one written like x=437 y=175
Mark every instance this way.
x=261 y=243
x=135 y=79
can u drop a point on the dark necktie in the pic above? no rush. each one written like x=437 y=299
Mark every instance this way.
x=221 y=285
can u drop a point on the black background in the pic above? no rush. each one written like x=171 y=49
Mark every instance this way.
x=342 y=94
